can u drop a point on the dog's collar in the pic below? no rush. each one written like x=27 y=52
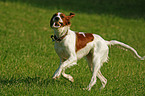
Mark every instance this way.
x=55 y=38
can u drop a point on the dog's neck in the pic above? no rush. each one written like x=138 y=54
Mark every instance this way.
x=61 y=31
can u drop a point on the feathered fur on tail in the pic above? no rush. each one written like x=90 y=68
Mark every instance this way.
x=114 y=42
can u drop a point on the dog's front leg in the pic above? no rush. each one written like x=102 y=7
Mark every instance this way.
x=70 y=61
x=57 y=73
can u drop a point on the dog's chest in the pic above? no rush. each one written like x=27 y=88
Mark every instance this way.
x=62 y=50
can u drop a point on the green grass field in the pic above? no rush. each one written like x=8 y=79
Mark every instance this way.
x=28 y=59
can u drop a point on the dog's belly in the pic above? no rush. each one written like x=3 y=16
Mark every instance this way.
x=84 y=51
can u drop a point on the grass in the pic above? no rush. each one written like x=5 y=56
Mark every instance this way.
x=28 y=59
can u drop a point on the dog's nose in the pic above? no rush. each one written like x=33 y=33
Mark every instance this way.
x=56 y=19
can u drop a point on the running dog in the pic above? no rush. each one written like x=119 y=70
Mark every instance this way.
x=72 y=46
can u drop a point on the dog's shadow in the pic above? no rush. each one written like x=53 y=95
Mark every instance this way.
x=28 y=80
x=35 y=80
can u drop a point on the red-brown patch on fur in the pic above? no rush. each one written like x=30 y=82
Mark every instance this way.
x=82 y=40
x=66 y=19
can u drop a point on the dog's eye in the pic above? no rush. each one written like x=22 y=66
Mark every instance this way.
x=62 y=16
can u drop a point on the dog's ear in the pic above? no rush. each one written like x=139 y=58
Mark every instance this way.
x=72 y=15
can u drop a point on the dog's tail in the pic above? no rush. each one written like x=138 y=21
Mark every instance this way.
x=126 y=47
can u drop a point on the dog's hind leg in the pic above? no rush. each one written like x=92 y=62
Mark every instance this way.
x=89 y=60
x=99 y=55
x=99 y=75
x=96 y=68
x=102 y=78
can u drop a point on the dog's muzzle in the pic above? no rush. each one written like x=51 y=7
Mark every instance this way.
x=57 y=23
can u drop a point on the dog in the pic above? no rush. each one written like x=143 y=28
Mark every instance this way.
x=72 y=46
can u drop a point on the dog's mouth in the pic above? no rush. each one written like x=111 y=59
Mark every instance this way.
x=57 y=24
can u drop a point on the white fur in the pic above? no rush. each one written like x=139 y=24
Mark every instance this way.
x=96 y=53
x=82 y=34
x=58 y=17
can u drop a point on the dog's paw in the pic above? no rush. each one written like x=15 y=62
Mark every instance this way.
x=88 y=89
x=71 y=79
x=101 y=88
x=55 y=76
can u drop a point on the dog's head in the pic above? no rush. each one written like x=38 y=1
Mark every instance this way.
x=60 y=20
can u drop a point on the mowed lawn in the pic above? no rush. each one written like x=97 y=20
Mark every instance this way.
x=28 y=59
